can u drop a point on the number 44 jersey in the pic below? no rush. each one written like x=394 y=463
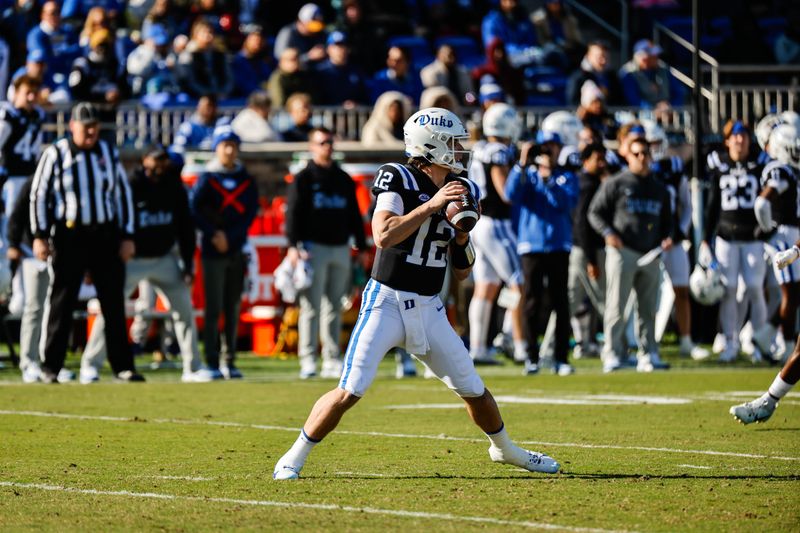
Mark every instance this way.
x=418 y=264
x=734 y=189
x=20 y=138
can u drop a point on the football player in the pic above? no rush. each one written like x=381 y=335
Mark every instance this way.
x=761 y=409
x=676 y=259
x=778 y=213
x=495 y=244
x=734 y=177
x=400 y=305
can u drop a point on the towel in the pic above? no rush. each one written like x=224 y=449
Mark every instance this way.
x=410 y=305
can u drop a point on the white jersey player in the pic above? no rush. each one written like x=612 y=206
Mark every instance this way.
x=496 y=259
x=401 y=306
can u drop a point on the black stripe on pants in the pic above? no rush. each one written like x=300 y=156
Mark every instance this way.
x=536 y=268
x=74 y=252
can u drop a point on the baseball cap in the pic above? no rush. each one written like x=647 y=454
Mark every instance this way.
x=337 y=37
x=157 y=33
x=311 y=16
x=646 y=46
x=36 y=55
x=543 y=137
x=85 y=113
x=491 y=91
x=223 y=134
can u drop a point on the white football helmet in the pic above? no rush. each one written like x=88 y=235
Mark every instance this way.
x=501 y=120
x=784 y=145
x=432 y=133
x=566 y=124
x=657 y=137
x=706 y=285
x=765 y=127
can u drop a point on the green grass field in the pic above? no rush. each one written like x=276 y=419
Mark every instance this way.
x=654 y=452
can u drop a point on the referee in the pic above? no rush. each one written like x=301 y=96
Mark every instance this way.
x=82 y=220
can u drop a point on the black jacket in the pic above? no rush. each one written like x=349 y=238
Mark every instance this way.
x=583 y=235
x=162 y=217
x=322 y=207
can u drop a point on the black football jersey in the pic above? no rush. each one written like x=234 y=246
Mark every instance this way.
x=485 y=156
x=418 y=264
x=670 y=171
x=735 y=185
x=783 y=179
x=23 y=145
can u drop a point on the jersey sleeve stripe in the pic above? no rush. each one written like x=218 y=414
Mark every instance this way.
x=399 y=169
x=411 y=179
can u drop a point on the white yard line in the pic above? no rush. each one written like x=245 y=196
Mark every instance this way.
x=181 y=478
x=441 y=517
x=394 y=435
x=698 y=467
x=365 y=474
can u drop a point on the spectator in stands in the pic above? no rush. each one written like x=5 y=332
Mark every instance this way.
x=321 y=216
x=224 y=203
x=543 y=194
x=152 y=64
x=204 y=66
x=557 y=29
x=253 y=64
x=289 y=78
x=445 y=71
x=58 y=44
x=198 y=132
x=96 y=19
x=35 y=67
x=82 y=9
x=632 y=212
x=343 y=81
x=364 y=35
x=499 y=70
x=164 y=13
x=593 y=112
x=98 y=76
x=252 y=123
x=398 y=75
x=440 y=97
x=510 y=24
x=595 y=66
x=787 y=45
x=306 y=35
x=646 y=80
x=490 y=93
x=222 y=15
x=299 y=108
x=385 y=124
x=165 y=241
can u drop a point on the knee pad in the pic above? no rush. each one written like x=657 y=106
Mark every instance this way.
x=472 y=387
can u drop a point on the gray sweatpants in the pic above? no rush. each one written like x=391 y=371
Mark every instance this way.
x=35 y=281
x=581 y=285
x=622 y=276
x=322 y=302
x=166 y=276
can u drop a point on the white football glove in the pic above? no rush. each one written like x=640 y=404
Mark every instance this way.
x=787 y=257
x=705 y=257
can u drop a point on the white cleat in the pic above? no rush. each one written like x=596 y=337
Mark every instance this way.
x=719 y=343
x=286 y=471
x=531 y=461
x=88 y=374
x=32 y=373
x=203 y=375
x=729 y=354
x=756 y=411
x=331 y=369
x=698 y=353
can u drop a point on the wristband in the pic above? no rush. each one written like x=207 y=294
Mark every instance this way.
x=462 y=256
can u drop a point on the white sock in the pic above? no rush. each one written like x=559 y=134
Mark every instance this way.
x=297 y=454
x=479 y=316
x=521 y=347
x=779 y=388
x=500 y=439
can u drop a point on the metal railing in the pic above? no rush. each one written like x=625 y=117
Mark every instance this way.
x=136 y=127
x=621 y=33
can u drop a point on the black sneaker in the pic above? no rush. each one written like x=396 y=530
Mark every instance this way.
x=130 y=376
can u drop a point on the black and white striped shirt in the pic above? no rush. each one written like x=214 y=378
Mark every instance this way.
x=80 y=188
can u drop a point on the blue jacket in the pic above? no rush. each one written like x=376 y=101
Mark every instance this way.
x=341 y=83
x=59 y=48
x=249 y=74
x=224 y=200
x=545 y=223
x=194 y=134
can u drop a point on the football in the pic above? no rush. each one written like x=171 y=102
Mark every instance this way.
x=463 y=213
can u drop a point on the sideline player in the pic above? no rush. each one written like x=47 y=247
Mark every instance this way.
x=400 y=306
x=495 y=244
x=761 y=409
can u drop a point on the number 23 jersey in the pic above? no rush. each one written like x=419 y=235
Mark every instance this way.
x=735 y=185
x=418 y=264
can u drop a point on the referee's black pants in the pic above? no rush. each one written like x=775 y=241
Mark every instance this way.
x=554 y=268
x=93 y=249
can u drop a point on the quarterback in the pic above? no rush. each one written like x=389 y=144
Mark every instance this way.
x=401 y=306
